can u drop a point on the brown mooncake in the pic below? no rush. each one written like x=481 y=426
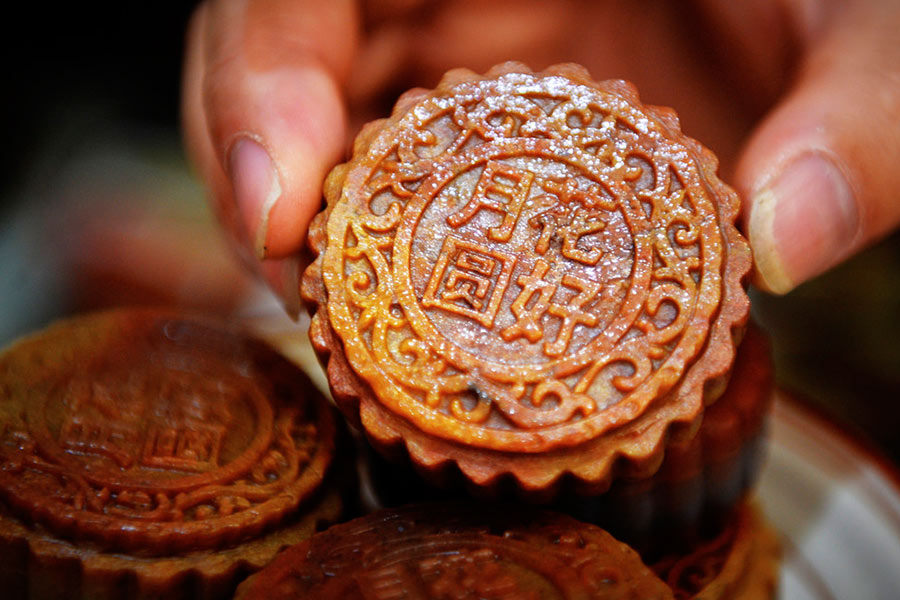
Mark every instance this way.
x=458 y=551
x=527 y=276
x=443 y=551
x=146 y=454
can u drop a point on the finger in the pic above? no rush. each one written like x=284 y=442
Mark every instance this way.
x=280 y=274
x=274 y=112
x=820 y=173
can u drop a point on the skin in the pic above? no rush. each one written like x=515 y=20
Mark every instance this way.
x=800 y=99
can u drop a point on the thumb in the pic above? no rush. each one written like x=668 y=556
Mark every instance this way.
x=820 y=174
x=264 y=121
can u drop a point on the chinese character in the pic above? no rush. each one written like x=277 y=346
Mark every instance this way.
x=502 y=189
x=189 y=446
x=469 y=279
x=97 y=422
x=574 y=216
x=528 y=318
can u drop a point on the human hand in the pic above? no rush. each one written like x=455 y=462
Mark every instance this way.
x=800 y=100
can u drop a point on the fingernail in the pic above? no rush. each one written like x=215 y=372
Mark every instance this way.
x=256 y=187
x=802 y=224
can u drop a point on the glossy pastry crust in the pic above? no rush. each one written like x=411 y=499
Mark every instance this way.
x=146 y=451
x=442 y=551
x=528 y=275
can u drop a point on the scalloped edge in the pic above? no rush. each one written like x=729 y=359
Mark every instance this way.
x=45 y=564
x=638 y=459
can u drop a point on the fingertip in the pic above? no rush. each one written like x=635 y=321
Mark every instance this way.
x=801 y=224
x=256 y=187
x=274 y=111
x=769 y=272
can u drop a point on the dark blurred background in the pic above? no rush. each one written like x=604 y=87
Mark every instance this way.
x=88 y=68
x=97 y=203
x=96 y=200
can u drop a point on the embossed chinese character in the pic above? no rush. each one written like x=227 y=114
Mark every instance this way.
x=528 y=318
x=95 y=424
x=529 y=311
x=572 y=312
x=190 y=446
x=501 y=188
x=574 y=216
x=185 y=428
x=469 y=279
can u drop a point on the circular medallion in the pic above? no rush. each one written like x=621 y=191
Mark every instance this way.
x=456 y=286
x=148 y=426
x=439 y=552
x=146 y=431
